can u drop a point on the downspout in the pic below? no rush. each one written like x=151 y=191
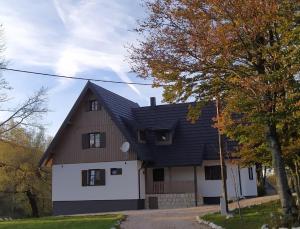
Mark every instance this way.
x=139 y=176
x=239 y=172
x=195 y=186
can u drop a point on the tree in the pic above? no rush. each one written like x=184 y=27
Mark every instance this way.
x=26 y=112
x=19 y=171
x=243 y=51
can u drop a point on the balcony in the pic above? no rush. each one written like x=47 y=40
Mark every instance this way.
x=170 y=187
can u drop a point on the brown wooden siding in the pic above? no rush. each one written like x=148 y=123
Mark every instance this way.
x=69 y=148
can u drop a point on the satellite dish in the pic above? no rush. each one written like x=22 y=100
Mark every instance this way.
x=125 y=147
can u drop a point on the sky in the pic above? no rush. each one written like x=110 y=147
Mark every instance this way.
x=84 y=38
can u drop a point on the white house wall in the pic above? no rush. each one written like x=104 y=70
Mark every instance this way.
x=66 y=182
x=249 y=187
x=213 y=188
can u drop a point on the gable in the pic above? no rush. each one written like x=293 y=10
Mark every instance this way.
x=69 y=150
x=66 y=146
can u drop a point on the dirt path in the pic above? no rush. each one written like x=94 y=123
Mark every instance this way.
x=178 y=218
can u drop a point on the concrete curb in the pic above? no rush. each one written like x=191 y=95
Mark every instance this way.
x=210 y=224
x=119 y=222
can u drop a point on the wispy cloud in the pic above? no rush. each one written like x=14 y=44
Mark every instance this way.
x=97 y=32
x=77 y=36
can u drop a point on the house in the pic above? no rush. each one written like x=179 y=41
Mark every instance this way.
x=170 y=163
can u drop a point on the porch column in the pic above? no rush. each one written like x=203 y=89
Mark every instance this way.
x=195 y=186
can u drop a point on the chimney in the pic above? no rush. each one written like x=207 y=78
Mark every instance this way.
x=152 y=101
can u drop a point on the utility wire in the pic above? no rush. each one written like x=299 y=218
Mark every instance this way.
x=76 y=78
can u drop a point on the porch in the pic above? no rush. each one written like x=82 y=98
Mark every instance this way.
x=171 y=187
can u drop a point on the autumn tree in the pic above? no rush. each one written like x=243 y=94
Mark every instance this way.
x=20 y=174
x=242 y=51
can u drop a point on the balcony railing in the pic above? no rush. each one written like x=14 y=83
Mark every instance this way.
x=161 y=187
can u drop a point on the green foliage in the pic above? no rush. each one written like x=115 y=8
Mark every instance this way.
x=278 y=220
x=252 y=217
x=76 y=222
x=247 y=54
x=20 y=175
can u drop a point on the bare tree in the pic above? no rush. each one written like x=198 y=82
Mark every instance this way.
x=26 y=113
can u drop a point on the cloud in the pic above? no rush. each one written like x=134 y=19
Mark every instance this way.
x=69 y=37
x=97 y=32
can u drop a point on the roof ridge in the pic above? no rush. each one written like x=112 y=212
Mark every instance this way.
x=102 y=88
x=165 y=105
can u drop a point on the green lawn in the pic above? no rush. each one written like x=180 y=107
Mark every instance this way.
x=253 y=217
x=72 y=222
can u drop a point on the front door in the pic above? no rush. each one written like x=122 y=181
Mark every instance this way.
x=158 y=180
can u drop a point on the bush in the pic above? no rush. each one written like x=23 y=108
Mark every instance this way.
x=278 y=220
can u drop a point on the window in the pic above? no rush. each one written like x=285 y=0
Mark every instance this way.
x=93 y=177
x=213 y=172
x=116 y=171
x=93 y=140
x=163 y=137
x=250 y=173
x=94 y=105
x=158 y=174
x=142 y=136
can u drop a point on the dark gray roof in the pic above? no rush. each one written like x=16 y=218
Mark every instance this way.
x=192 y=143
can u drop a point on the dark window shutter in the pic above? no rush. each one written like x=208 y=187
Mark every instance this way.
x=102 y=140
x=102 y=176
x=85 y=141
x=84 y=177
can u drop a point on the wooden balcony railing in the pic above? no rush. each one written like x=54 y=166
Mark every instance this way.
x=160 y=187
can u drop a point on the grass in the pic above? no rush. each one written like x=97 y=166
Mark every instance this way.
x=253 y=217
x=73 y=222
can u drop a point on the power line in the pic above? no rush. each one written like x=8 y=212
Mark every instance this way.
x=76 y=78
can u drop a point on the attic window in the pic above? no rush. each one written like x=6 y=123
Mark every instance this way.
x=163 y=137
x=94 y=105
x=142 y=136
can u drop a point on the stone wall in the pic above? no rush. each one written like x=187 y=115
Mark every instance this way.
x=167 y=201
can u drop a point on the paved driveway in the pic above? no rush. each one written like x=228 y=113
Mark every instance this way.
x=178 y=218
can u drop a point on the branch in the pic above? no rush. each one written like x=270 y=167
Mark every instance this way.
x=34 y=105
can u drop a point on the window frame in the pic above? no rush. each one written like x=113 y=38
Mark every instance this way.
x=158 y=175
x=119 y=171
x=250 y=173
x=139 y=136
x=94 y=105
x=93 y=177
x=168 y=140
x=97 y=144
x=93 y=140
x=213 y=175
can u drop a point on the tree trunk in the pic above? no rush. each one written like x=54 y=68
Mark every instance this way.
x=283 y=189
x=259 y=173
x=33 y=203
x=297 y=182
